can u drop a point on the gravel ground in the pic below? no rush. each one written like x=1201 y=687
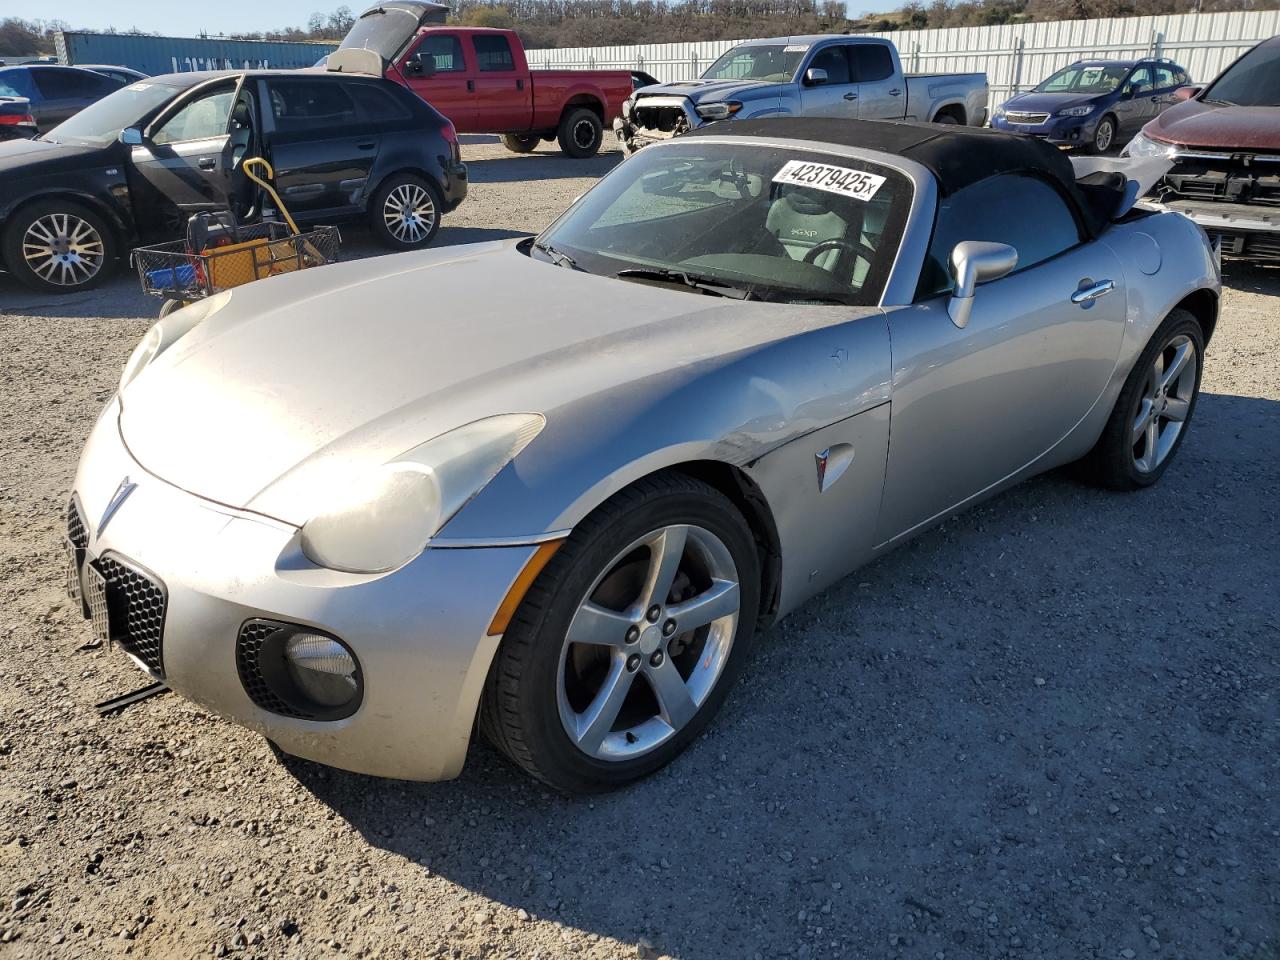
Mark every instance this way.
x=1048 y=729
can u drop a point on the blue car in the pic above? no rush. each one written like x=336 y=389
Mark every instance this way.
x=1092 y=103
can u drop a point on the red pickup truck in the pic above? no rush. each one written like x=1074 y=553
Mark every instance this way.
x=479 y=78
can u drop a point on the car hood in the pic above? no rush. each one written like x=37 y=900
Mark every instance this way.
x=1196 y=123
x=708 y=91
x=21 y=157
x=1047 y=102
x=360 y=362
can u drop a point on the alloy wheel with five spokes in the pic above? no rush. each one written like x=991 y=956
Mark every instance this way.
x=1165 y=404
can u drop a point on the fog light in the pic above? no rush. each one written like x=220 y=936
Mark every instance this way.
x=323 y=669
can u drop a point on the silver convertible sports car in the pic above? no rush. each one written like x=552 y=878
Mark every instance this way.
x=554 y=488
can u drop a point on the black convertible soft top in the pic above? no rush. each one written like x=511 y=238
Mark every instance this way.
x=957 y=156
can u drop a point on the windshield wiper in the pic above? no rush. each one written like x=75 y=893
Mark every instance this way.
x=711 y=285
x=558 y=258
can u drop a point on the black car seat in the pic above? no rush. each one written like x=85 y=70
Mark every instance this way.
x=242 y=189
x=801 y=219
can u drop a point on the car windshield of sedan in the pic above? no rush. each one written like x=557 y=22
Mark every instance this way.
x=1254 y=80
x=739 y=220
x=100 y=123
x=1090 y=79
x=773 y=62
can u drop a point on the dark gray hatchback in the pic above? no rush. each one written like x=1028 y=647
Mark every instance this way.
x=133 y=166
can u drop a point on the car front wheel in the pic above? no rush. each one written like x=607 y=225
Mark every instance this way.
x=58 y=246
x=1104 y=135
x=405 y=212
x=1154 y=409
x=629 y=640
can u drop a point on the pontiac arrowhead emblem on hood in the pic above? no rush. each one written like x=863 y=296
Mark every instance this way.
x=126 y=487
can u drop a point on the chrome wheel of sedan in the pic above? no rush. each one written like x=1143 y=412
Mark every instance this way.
x=1166 y=403
x=409 y=213
x=63 y=249
x=648 y=642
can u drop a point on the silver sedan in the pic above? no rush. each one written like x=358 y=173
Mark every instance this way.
x=558 y=486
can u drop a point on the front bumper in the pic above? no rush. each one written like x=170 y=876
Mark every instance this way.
x=419 y=632
x=654 y=120
x=1060 y=131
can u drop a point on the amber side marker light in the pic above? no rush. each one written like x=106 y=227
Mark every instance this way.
x=502 y=619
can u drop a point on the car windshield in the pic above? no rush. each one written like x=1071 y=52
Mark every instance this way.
x=1253 y=81
x=1090 y=78
x=740 y=220
x=774 y=62
x=100 y=123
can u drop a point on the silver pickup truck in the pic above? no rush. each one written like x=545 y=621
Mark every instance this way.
x=816 y=76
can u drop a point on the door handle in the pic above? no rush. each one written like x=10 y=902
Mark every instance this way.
x=519 y=84
x=206 y=163
x=1086 y=295
x=851 y=96
x=366 y=146
x=895 y=93
x=471 y=86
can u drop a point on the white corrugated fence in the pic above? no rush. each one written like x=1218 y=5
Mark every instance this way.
x=1014 y=56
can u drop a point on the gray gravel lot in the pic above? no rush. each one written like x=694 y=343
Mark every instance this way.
x=1048 y=729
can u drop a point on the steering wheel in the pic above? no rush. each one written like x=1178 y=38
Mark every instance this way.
x=846 y=246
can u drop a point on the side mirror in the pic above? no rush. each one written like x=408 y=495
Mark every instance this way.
x=815 y=77
x=131 y=137
x=1187 y=92
x=420 y=66
x=974 y=262
x=1127 y=92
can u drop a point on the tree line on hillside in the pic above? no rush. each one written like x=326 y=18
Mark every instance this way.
x=588 y=23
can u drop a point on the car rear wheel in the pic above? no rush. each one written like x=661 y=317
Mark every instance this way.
x=520 y=142
x=405 y=213
x=580 y=133
x=1151 y=415
x=629 y=640
x=1104 y=135
x=58 y=246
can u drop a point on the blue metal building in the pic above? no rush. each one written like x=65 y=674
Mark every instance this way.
x=156 y=55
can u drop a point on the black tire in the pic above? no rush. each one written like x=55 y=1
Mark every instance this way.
x=1104 y=135
x=88 y=243
x=520 y=142
x=519 y=711
x=580 y=133
x=1113 y=462
x=948 y=118
x=409 y=188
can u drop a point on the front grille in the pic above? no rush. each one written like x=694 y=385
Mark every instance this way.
x=136 y=604
x=249 y=663
x=1016 y=117
x=1202 y=181
x=661 y=119
x=77 y=532
x=1250 y=246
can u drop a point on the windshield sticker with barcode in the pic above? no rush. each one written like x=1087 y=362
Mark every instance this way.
x=823 y=176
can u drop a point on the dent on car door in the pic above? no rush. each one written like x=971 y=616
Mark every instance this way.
x=973 y=406
x=184 y=159
x=837 y=95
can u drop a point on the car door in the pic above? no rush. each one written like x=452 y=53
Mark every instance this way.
x=321 y=146
x=503 y=99
x=65 y=91
x=881 y=89
x=1168 y=79
x=184 y=160
x=973 y=406
x=445 y=79
x=1134 y=108
x=837 y=95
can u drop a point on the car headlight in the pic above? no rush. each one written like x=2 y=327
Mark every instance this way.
x=1143 y=146
x=999 y=112
x=720 y=110
x=1083 y=111
x=381 y=518
x=168 y=331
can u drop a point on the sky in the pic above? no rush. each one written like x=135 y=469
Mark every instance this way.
x=179 y=19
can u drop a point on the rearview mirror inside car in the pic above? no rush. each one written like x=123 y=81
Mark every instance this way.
x=131 y=137
x=815 y=77
x=975 y=262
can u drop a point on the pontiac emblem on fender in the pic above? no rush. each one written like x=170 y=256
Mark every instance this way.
x=126 y=487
